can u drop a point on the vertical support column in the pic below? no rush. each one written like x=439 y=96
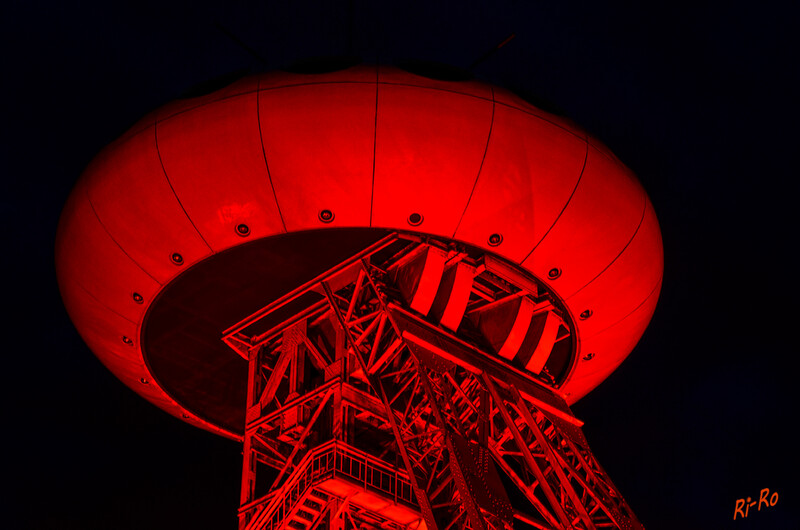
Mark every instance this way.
x=337 y=414
x=248 y=456
x=344 y=416
x=335 y=516
x=337 y=369
x=297 y=376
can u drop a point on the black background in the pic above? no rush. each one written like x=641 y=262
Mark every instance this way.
x=699 y=101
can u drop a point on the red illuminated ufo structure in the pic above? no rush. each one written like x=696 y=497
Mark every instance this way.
x=388 y=287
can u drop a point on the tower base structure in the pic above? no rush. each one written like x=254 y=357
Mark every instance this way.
x=415 y=385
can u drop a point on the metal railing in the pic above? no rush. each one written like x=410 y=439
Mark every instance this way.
x=332 y=459
x=374 y=474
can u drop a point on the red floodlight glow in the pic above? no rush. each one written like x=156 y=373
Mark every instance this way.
x=505 y=223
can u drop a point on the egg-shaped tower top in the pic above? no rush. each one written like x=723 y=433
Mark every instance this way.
x=213 y=207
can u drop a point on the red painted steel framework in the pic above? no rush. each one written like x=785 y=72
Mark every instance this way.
x=380 y=398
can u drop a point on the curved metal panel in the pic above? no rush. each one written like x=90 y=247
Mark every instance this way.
x=101 y=327
x=428 y=152
x=509 y=99
x=87 y=256
x=318 y=141
x=625 y=283
x=103 y=331
x=216 y=166
x=608 y=349
x=134 y=201
x=530 y=171
x=601 y=217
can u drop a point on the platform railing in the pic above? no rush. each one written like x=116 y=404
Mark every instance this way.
x=374 y=474
x=332 y=459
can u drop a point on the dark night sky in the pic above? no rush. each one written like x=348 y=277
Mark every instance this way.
x=699 y=102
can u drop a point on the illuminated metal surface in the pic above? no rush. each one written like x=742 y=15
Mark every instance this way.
x=357 y=371
x=213 y=206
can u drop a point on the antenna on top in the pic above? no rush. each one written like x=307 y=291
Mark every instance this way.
x=491 y=52
x=240 y=43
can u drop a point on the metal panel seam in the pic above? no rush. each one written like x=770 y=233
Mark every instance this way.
x=205 y=104
x=646 y=298
x=621 y=252
x=91 y=205
x=374 y=144
x=87 y=291
x=577 y=183
x=480 y=168
x=264 y=153
x=543 y=118
x=164 y=171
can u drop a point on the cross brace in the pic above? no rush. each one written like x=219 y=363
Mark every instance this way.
x=430 y=421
